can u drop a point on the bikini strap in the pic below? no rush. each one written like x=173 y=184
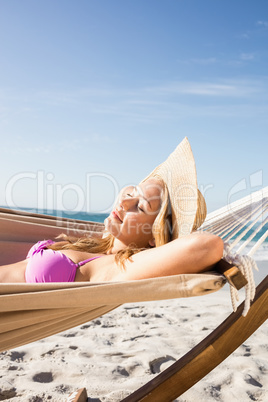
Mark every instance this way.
x=79 y=264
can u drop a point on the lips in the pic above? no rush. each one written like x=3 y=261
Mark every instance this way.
x=115 y=215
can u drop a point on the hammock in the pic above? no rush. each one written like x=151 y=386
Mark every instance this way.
x=246 y=217
x=33 y=311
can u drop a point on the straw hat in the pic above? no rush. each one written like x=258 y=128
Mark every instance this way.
x=188 y=207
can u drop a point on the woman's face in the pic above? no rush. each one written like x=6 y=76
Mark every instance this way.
x=133 y=216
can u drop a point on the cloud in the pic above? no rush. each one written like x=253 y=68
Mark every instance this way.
x=179 y=100
x=263 y=24
x=259 y=26
x=205 y=62
x=23 y=146
x=82 y=142
x=201 y=61
x=209 y=61
x=218 y=88
x=247 y=56
x=100 y=139
x=24 y=150
x=245 y=35
x=170 y=100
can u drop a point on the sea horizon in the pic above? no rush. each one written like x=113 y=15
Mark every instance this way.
x=261 y=254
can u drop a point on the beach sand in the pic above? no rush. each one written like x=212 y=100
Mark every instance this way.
x=117 y=353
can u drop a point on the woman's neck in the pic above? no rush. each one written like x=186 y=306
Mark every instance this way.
x=117 y=246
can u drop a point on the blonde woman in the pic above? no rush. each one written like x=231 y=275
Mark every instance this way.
x=151 y=232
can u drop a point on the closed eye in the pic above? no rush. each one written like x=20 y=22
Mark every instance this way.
x=139 y=208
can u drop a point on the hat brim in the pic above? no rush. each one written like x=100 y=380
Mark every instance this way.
x=187 y=203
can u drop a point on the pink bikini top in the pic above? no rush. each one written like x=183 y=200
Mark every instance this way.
x=47 y=265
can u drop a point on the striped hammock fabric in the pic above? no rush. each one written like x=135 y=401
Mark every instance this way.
x=29 y=312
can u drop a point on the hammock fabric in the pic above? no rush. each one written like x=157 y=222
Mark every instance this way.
x=29 y=312
x=32 y=311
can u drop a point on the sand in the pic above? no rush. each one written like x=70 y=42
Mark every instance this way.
x=117 y=353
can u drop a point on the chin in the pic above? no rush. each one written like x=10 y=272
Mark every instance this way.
x=111 y=228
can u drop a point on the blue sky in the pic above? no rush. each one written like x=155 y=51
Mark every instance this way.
x=95 y=94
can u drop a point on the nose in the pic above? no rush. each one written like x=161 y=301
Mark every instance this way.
x=126 y=203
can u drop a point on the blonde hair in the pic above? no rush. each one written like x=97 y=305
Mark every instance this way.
x=162 y=226
x=95 y=246
x=161 y=231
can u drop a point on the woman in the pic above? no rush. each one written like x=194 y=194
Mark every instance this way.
x=149 y=233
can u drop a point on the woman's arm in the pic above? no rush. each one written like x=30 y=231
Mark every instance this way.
x=197 y=252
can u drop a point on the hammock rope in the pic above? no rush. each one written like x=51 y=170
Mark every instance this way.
x=245 y=263
x=259 y=242
x=232 y=224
